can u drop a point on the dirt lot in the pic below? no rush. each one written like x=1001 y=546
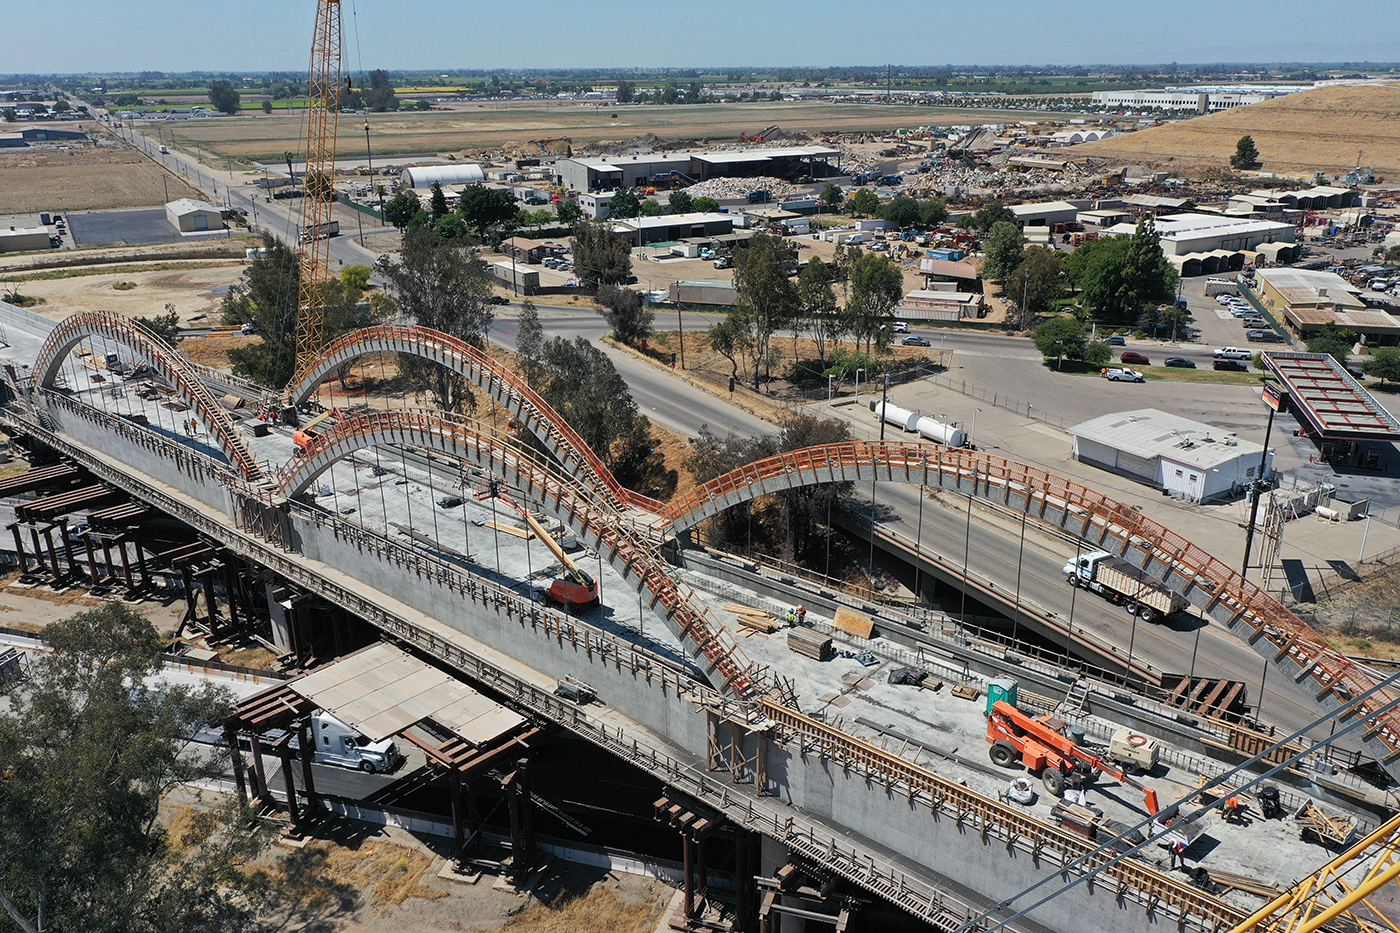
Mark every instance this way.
x=1321 y=129
x=193 y=288
x=55 y=177
x=466 y=126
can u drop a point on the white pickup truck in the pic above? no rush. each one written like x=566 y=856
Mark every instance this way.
x=1233 y=353
x=1122 y=374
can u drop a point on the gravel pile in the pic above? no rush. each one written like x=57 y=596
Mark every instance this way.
x=729 y=188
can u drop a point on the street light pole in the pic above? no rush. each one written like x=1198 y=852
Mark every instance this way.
x=884 y=400
x=971 y=442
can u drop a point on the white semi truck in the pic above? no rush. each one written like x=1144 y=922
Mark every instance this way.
x=1123 y=584
x=339 y=744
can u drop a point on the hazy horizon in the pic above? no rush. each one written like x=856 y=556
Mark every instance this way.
x=261 y=36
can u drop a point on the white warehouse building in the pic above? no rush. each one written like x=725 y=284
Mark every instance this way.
x=1184 y=458
x=423 y=176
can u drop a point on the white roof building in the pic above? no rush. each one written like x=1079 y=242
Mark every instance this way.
x=1188 y=459
x=1045 y=214
x=1210 y=243
x=423 y=176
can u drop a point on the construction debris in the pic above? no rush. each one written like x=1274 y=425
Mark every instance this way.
x=1323 y=824
x=722 y=188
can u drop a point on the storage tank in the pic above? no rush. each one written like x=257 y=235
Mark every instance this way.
x=893 y=414
x=940 y=432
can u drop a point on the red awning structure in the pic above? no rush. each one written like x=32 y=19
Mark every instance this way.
x=1330 y=401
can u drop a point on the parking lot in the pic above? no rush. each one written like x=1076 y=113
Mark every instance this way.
x=132 y=227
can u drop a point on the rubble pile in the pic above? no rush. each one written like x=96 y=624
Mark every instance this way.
x=730 y=188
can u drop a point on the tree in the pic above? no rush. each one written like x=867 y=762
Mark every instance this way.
x=1098 y=354
x=356 y=276
x=529 y=343
x=267 y=106
x=932 y=212
x=1335 y=341
x=1002 y=251
x=89 y=748
x=863 y=203
x=652 y=208
x=568 y=212
x=625 y=92
x=767 y=298
x=679 y=202
x=877 y=286
x=1393 y=254
x=1147 y=276
x=832 y=196
x=1059 y=336
x=61 y=106
x=268 y=297
x=1246 y=153
x=818 y=303
x=624 y=204
x=729 y=339
x=320 y=186
x=224 y=98
x=399 y=209
x=379 y=96
x=704 y=205
x=993 y=214
x=1035 y=284
x=626 y=313
x=484 y=208
x=901 y=211
x=1384 y=365
x=165 y=326
x=601 y=257
x=439 y=284
x=437 y=202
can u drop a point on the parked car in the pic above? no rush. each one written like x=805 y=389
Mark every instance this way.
x=1264 y=336
x=900 y=327
x=450 y=502
x=1179 y=362
x=1116 y=340
x=1234 y=366
x=915 y=342
x=1115 y=374
x=1138 y=358
x=498 y=300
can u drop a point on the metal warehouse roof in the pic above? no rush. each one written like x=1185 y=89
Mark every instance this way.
x=1334 y=404
x=381 y=691
x=1149 y=433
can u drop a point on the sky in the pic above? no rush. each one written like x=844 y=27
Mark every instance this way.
x=275 y=35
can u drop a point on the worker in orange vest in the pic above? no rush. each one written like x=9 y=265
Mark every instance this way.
x=1234 y=809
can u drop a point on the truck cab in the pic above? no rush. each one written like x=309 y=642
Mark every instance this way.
x=338 y=744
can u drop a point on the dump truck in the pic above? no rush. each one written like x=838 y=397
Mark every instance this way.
x=1123 y=584
x=321 y=231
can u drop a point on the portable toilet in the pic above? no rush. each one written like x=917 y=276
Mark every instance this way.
x=1002 y=688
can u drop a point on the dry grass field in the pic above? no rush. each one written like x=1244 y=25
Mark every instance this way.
x=1317 y=130
x=64 y=178
x=494 y=125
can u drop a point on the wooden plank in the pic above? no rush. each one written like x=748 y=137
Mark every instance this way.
x=854 y=623
x=510 y=529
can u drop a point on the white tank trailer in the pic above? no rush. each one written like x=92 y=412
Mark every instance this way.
x=893 y=414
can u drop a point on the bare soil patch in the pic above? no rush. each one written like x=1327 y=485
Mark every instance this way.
x=1317 y=130
x=194 y=290
x=64 y=178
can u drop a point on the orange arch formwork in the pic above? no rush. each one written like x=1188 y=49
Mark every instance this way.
x=629 y=552
x=1209 y=583
x=500 y=383
x=75 y=329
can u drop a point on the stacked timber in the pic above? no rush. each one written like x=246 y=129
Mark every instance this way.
x=756 y=619
x=809 y=642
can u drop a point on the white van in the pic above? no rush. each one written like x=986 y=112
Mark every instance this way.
x=338 y=744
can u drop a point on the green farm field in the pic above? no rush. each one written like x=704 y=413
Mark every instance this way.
x=493 y=125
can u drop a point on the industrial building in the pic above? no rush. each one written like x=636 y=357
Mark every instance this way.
x=1194 y=99
x=16 y=239
x=607 y=173
x=1320 y=198
x=1046 y=214
x=1208 y=243
x=39 y=134
x=1309 y=300
x=939 y=304
x=423 y=176
x=640 y=231
x=1184 y=458
x=190 y=216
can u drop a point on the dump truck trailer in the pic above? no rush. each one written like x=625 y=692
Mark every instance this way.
x=1123 y=584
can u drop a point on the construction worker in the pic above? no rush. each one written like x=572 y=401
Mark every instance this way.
x=1233 y=809
x=1177 y=852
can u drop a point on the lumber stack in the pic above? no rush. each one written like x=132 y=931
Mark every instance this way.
x=756 y=619
x=809 y=642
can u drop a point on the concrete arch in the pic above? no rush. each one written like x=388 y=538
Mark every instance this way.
x=1249 y=612
x=498 y=382
x=165 y=361
x=629 y=552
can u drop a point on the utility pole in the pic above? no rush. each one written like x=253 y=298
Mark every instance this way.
x=884 y=400
x=1254 y=490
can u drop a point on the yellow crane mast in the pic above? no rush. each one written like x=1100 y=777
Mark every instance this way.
x=322 y=122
